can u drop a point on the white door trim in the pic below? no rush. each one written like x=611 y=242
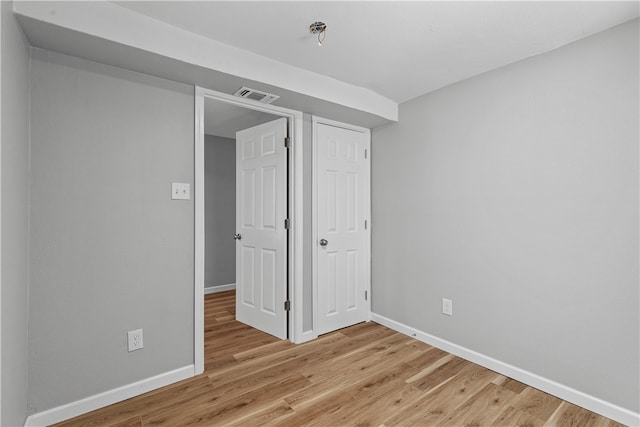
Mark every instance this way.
x=314 y=223
x=295 y=214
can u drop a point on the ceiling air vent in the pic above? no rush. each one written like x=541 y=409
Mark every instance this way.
x=256 y=95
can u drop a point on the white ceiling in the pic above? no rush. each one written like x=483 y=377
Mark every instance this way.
x=224 y=119
x=399 y=50
x=104 y=32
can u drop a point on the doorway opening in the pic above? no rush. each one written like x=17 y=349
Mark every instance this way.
x=245 y=190
x=221 y=122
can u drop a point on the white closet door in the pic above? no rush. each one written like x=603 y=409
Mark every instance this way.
x=342 y=209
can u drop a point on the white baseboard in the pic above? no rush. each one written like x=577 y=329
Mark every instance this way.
x=306 y=336
x=91 y=403
x=219 y=288
x=569 y=394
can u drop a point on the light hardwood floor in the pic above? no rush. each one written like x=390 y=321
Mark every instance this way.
x=363 y=375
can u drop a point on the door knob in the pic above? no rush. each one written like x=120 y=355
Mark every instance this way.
x=323 y=242
x=237 y=236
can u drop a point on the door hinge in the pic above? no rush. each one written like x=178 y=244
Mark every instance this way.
x=365 y=153
x=287 y=224
x=287 y=142
x=287 y=306
x=366 y=295
x=365 y=224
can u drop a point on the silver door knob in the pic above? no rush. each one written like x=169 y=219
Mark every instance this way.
x=237 y=236
x=323 y=242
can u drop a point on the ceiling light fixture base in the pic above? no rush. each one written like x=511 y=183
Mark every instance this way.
x=320 y=29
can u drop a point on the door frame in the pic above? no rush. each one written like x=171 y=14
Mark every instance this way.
x=314 y=222
x=295 y=214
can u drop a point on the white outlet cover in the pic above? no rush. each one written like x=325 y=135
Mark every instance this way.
x=447 y=306
x=134 y=339
x=180 y=191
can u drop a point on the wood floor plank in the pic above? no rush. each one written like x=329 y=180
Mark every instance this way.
x=242 y=380
x=226 y=410
x=359 y=329
x=272 y=415
x=370 y=399
x=326 y=344
x=211 y=364
x=536 y=403
x=355 y=374
x=131 y=408
x=482 y=408
x=362 y=361
x=570 y=415
x=441 y=374
x=511 y=384
x=135 y=421
x=376 y=411
x=272 y=348
x=364 y=375
x=426 y=359
x=299 y=354
x=443 y=400
x=513 y=417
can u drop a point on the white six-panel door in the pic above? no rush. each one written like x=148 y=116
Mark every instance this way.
x=261 y=251
x=342 y=206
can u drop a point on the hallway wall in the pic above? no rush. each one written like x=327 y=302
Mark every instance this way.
x=220 y=211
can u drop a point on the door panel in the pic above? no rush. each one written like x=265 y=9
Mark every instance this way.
x=341 y=274
x=261 y=250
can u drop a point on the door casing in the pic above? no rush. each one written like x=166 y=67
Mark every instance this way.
x=295 y=214
x=314 y=227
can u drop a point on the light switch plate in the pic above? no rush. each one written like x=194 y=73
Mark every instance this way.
x=180 y=191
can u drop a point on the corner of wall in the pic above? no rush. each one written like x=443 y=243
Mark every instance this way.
x=14 y=134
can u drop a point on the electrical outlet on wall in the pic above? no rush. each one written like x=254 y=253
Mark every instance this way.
x=134 y=339
x=447 y=307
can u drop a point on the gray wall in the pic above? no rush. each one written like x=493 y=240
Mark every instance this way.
x=220 y=210
x=110 y=251
x=15 y=217
x=515 y=193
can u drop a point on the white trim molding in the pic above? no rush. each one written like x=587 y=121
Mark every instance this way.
x=219 y=288
x=199 y=234
x=91 y=403
x=307 y=336
x=562 y=391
